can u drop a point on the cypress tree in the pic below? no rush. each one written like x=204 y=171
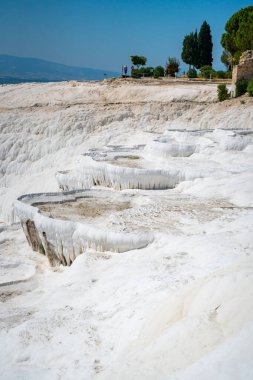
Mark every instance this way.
x=190 y=49
x=196 y=50
x=205 y=45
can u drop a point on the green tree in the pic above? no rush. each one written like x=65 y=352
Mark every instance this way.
x=172 y=66
x=159 y=72
x=146 y=71
x=138 y=60
x=135 y=73
x=207 y=72
x=205 y=45
x=239 y=33
x=192 y=73
x=227 y=59
x=190 y=50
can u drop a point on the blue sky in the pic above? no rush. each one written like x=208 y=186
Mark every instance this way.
x=104 y=33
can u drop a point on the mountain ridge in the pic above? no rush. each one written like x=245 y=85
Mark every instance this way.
x=15 y=69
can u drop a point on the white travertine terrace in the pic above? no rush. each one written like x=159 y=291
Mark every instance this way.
x=148 y=167
x=63 y=240
x=120 y=168
x=182 y=307
x=91 y=173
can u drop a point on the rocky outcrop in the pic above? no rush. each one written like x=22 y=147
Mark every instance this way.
x=245 y=67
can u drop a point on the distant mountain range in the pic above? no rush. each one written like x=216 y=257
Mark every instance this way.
x=18 y=69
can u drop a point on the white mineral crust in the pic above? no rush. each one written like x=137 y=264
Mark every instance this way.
x=181 y=308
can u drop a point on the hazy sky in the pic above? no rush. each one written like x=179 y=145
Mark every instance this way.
x=104 y=33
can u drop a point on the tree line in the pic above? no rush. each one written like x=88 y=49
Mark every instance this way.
x=197 y=50
x=171 y=68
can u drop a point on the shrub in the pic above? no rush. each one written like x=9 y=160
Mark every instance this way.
x=240 y=87
x=136 y=73
x=159 y=72
x=192 y=73
x=147 y=71
x=250 y=88
x=207 y=71
x=221 y=74
x=229 y=74
x=142 y=72
x=223 y=93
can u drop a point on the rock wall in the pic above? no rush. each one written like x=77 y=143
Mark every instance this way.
x=245 y=67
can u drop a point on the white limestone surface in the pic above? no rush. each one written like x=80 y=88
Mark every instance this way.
x=178 y=309
x=64 y=240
